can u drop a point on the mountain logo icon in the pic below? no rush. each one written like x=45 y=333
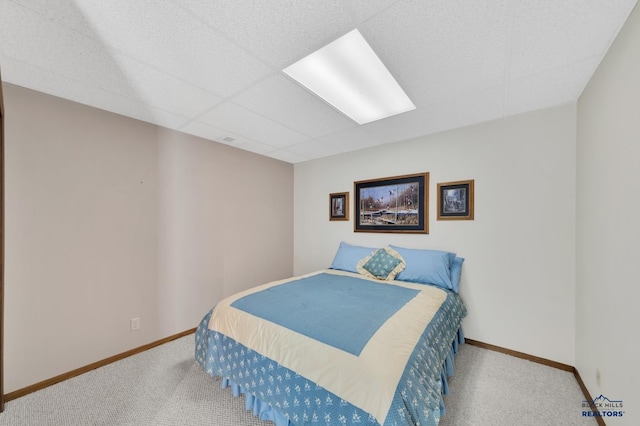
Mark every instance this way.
x=601 y=401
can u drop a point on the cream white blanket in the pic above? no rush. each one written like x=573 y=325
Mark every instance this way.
x=368 y=381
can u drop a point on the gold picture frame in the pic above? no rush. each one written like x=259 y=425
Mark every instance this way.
x=455 y=200
x=339 y=206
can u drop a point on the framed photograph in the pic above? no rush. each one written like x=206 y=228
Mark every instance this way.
x=393 y=204
x=455 y=200
x=339 y=206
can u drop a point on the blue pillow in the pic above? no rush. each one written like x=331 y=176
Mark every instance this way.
x=348 y=256
x=384 y=264
x=456 y=271
x=426 y=266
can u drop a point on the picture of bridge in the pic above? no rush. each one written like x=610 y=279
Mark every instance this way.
x=389 y=205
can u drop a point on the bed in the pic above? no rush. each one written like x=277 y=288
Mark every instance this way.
x=368 y=341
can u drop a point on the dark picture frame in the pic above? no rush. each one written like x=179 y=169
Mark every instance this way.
x=393 y=204
x=455 y=200
x=339 y=206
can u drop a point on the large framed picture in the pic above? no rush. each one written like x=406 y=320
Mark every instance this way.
x=393 y=204
x=339 y=206
x=455 y=200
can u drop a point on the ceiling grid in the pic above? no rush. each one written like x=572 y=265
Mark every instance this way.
x=214 y=69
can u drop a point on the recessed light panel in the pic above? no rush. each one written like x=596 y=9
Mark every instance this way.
x=349 y=75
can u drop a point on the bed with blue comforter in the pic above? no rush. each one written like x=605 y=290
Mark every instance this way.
x=336 y=347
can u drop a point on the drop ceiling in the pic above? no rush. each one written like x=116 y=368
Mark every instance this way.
x=214 y=68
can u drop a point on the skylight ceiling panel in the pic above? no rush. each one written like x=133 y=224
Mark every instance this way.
x=280 y=99
x=441 y=49
x=169 y=38
x=551 y=33
x=232 y=117
x=349 y=75
x=281 y=31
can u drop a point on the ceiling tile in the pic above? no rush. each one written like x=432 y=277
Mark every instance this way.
x=138 y=110
x=163 y=91
x=62 y=12
x=310 y=149
x=286 y=155
x=214 y=134
x=234 y=118
x=258 y=147
x=35 y=78
x=33 y=39
x=363 y=10
x=293 y=106
x=281 y=31
x=442 y=48
x=352 y=139
x=547 y=34
x=402 y=126
x=214 y=69
x=473 y=108
x=549 y=88
x=162 y=35
x=42 y=53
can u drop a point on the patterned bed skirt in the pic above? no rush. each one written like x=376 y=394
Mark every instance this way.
x=265 y=380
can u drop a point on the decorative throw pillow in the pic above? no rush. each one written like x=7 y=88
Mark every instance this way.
x=383 y=264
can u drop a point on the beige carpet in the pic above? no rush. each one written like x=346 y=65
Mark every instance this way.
x=164 y=387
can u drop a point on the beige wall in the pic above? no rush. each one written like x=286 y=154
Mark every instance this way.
x=110 y=218
x=608 y=230
x=518 y=279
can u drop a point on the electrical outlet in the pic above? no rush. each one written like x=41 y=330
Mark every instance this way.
x=598 y=377
x=135 y=324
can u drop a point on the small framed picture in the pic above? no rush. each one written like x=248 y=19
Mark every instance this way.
x=455 y=200
x=339 y=206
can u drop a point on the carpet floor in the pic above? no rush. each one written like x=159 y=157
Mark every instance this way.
x=164 y=387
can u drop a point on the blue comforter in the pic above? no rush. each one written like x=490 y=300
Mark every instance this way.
x=316 y=391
